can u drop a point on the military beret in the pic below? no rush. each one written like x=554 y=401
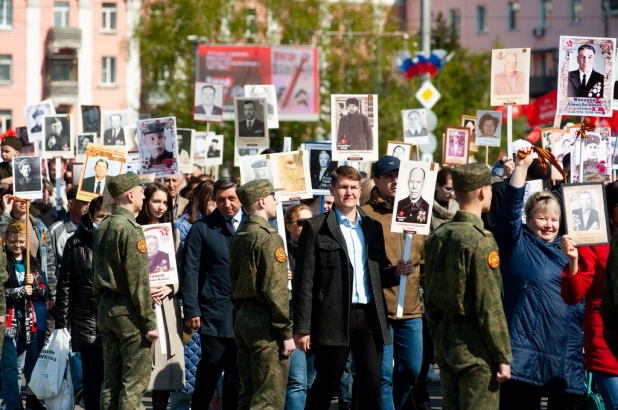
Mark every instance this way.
x=120 y=184
x=37 y=112
x=154 y=127
x=255 y=190
x=352 y=101
x=16 y=226
x=592 y=139
x=470 y=177
x=259 y=164
x=12 y=142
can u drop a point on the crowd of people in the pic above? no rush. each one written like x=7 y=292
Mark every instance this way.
x=510 y=311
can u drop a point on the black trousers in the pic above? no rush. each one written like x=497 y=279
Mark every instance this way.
x=92 y=375
x=367 y=349
x=218 y=354
x=515 y=395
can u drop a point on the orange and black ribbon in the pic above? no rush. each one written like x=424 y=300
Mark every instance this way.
x=585 y=127
x=544 y=158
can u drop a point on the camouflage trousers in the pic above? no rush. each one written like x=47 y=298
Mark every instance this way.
x=263 y=370
x=467 y=377
x=127 y=356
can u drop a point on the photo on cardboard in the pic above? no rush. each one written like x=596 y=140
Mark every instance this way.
x=27 y=177
x=158 y=146
x=585 y=213
x=208 y=102
x=251 y=129
x=415 y=126
x=354 y=127
x=455 y=146
x=57 y=136
x=510 y=76
x=398 y=149
x=268 y=92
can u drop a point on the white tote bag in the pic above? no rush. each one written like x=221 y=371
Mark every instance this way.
x=50 y=367
x=65 y=399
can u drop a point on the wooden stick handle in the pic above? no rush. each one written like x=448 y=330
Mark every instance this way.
x=27 y=238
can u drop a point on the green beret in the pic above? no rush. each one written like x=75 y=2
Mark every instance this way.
x=592 y=139
x=120 y=184
x=253 y=191
x=12 y=142
x=470 y=177
x=259 y=164
x=154 y=127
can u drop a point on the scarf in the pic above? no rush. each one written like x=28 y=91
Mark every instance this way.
x=441 y=214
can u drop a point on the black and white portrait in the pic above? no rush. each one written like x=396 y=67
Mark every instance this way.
x=546 y=138
x=112 y=123
x=91 y=118
x=597 y=155
x=251 y=129
x=268 y=92
x=400 y=150
x=58 y=130
x=185 y=149
x=354 y=125
x=34 y=118
x=208 y=102
x=199 y=148
x=28 y=177
x=22 y=134
x=214 y=150
x=255 y=167
x=82 y=143
x=585 y=213
x=321 y=166
x=415 y=126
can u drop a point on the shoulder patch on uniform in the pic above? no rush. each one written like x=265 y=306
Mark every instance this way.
x=493 y=260
x=280 y=255
x=141 y=246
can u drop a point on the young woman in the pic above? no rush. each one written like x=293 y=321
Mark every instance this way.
x=202 y=203
x=169 y=369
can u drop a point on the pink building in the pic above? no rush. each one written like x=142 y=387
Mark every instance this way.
x=523 y=23
x=75 y=52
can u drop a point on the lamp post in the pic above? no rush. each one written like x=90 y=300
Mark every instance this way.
x=196 y=40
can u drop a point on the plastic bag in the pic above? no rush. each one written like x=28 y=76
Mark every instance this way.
x=50 y=367
x=64 y=400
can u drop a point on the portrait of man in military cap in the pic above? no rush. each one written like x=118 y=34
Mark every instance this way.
x=158 y=145
x=255 y=167
x=213 y=149
x=34 y=118
x=57 y=130
x=596 y=153
x=155 y=141
x=28 y=178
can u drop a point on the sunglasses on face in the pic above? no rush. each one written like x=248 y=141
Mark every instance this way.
x=300 y=222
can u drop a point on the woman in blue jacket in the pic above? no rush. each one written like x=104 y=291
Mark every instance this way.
x=546 y=333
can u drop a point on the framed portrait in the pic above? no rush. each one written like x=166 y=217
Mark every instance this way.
x=185 y=139
x=27 y=177
x=585 y=67
x=208 y=102
x=266 y=92
x=546 y=142
x=22 y=134
x=510 y=76
x=100 y=164
x=158 y=146
x=214 y=150
x=162 y=268
x=255 y=167
x=488 y=128
x=112 y=127
x=398 y=149
x=414 y=197
x=585 y=213
x=250 y=118
x=455 y=146
x=597 y=153
x=90 y=118
x=469 y=121
x=82 y=144
x=321 y=166
x=415 y=127
x=290 y=171
x=34 y=118
x=58 y=132
x=354 y=127
x=76 y=172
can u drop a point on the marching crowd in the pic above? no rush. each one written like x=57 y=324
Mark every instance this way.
x=510 y=311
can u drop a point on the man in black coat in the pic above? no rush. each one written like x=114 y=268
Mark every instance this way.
x=251 y=126
x=337 y=298
x=585 y=82
x=206 y=296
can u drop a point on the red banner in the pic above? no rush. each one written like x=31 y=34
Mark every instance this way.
x=543 y=110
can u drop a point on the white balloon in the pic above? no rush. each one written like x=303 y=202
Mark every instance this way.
x=431 y=147
x=432 y=120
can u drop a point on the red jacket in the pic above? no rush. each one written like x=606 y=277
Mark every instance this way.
x=589 y=282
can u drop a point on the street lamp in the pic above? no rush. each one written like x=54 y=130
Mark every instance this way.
x=196 y=40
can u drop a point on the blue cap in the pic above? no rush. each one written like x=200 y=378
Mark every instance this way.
x=385 y=165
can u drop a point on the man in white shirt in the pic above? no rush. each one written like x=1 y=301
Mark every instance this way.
x=585 y=218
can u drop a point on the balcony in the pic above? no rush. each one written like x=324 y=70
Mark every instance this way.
x=61 y=82
x=541 y=85
x=63 y=92
x=63 y=38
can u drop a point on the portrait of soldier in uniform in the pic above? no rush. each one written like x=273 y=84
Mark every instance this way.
x=585 y=81
x=414 y=209
x=57 y=134
x=28 y=176
x=155 y=140
x=157 y=260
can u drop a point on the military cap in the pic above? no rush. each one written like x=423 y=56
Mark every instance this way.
x=12 y=142
x=352 y=101
x=154 y=127
x=470 y=177
x=254 y=190
x=120 y=184
x=592 y=139
x=37 y=112
x=16 y=226
x=260 y=163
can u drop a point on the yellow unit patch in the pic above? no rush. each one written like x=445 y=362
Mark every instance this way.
x=493 y=260
x=141 y=246
x=280 y=255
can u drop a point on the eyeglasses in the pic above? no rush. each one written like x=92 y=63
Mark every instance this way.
x=300 y=222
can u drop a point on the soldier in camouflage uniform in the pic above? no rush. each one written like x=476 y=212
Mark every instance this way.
x=263 y=329
x=463 y=304
x=125 y=315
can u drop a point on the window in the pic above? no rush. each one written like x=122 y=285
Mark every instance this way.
x=453 y=19
x=6 y=120
x=6 y=13
x=109 y=71
x=109 y=17
x=6 y=69
x=481 y=19
x=513 y=13
x=63 y=69
x=575 y=11
x=545 y=14
x=61 y=14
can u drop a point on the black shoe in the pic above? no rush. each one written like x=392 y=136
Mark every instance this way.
x=33 y=403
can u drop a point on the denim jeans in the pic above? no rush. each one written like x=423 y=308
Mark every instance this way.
x=346 y=384
x=607 y=385
x=14 y=352
x=75 y=360
x=407 y=353
x=296 y=393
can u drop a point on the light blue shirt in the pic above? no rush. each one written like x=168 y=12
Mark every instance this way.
x=237 y=218
x=357 y=252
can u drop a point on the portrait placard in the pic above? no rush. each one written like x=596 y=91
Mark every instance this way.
x=22 y=134
x=199 y=148
x=244 y=152
x=158 y=146
x=90 y=120
x=162 y=268
x=546 y=142
x=58 y=132
x=76 y=169
x=415 y=127
x=34 y=118
x=354 y=127
x=398 y=149
x=268 y=92
x=597 y=155
x=488 y=128
x=321 y=166
x=112 y=127
x=414 y=197
x=208 y=102
x=455 y=146
x=251 y=130
x=101 y=163
x=531 y=187
x=185 y=139
x=585 y=213
x=560 y=146
x=290 y=171
x=82 y=144
x=130 y=135
x=214 y=150
x=510 y=76
x=27 y=177
x=469 y=121
x=584 y=64
x=255 y=167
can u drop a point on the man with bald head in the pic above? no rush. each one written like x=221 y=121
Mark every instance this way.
x=510 y=81
x=414 y=209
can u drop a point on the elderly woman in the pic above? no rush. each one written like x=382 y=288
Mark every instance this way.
x=546 y=333
x=488 y=124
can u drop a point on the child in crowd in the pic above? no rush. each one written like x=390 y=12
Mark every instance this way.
x=9 y=149
x=21 y=289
